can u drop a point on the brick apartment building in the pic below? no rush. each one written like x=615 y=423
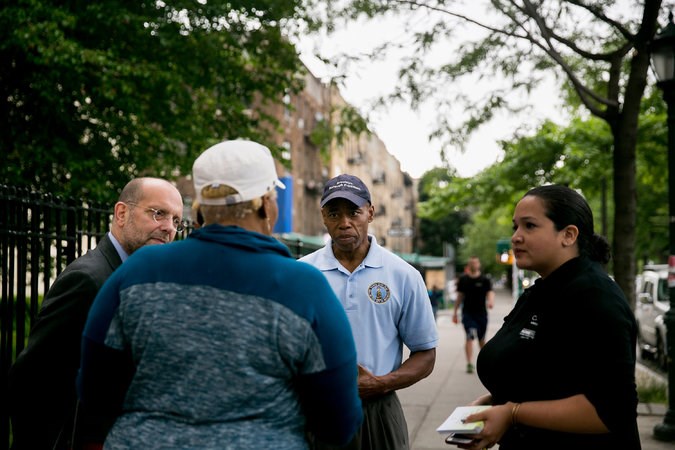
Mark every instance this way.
x=393 y=191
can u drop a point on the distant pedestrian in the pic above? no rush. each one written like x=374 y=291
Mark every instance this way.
x=222 y=340
x=561 y=370
x=436 y=299
x=387 y=306
x=475 y=296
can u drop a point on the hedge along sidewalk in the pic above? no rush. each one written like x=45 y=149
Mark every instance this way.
x=652 y=391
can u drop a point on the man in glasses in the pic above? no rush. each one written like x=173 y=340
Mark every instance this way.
x=43 y=403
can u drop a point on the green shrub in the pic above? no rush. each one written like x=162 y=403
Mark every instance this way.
x=650 y=387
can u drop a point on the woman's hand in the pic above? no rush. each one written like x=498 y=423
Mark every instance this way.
x=497 y=421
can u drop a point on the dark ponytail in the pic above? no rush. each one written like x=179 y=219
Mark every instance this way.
x=599 y=249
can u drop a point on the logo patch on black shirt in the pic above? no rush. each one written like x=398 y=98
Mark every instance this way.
x=527 y=333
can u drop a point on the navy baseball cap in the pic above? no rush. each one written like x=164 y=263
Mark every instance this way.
x=348 y=187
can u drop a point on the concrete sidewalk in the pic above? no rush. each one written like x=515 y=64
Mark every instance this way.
x=429 y=402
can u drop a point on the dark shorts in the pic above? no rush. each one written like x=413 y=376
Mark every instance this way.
x=384 y=427
x=475 y=326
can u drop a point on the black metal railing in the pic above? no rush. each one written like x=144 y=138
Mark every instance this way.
x=298 y=247
x=39 y=235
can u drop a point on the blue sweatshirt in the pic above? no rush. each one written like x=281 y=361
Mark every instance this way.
x=222 y=340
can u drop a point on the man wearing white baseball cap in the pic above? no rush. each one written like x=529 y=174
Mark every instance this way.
x=227 y=352
x=246 y=166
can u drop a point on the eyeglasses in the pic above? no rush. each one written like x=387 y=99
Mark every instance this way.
x=159 y=216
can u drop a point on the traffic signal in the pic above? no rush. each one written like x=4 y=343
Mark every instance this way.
x=504 y=252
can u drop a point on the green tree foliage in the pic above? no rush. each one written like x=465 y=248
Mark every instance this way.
x=598 y=49
x=652 y=188
x=578 y=155
x=446 y=228
x=481 y=236
x=331 y=130
x=94 y=93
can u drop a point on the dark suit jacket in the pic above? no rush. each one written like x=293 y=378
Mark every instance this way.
x=42 y=395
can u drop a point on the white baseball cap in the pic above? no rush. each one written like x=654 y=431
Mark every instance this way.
x=245 y=166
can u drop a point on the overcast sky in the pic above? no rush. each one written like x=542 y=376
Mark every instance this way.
x=405 y=132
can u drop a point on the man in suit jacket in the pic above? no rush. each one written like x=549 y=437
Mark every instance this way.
x=43 y=403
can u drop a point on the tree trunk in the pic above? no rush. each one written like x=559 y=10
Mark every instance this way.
x=625 y=201
x=624 y=130
x=603 y=207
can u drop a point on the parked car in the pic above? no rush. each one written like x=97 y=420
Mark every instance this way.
x=651 y=306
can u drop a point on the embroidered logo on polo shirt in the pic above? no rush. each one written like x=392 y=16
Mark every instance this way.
x=378 y=292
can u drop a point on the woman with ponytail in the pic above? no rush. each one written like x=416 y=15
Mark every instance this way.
x=561 y=370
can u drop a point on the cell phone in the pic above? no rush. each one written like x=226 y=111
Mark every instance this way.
x=457 y=439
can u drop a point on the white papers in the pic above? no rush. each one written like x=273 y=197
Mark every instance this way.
x=454 y=424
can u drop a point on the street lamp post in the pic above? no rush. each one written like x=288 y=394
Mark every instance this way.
x=663 y=63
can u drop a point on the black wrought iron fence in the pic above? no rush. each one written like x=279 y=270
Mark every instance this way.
x=39 y=235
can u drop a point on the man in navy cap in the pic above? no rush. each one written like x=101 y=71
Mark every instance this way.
x=387 y=306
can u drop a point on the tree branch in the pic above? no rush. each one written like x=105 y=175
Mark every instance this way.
x=549 y=34
x=585 y=94
x=588 y=97
x=598 y=13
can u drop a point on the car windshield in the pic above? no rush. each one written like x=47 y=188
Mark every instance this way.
x=663 y=294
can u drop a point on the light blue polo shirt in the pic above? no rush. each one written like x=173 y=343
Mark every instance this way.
x=386 y=303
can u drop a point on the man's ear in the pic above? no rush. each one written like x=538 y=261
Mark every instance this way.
x=371 y=213
x=263 y=212
x=121 y=213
